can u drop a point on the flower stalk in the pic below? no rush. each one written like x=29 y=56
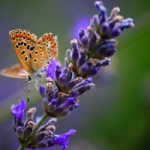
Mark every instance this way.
x=34 y=132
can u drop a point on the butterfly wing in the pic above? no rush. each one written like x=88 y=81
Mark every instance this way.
x=33 y=55
x=15 y=72
x=45 y=50
x=23 y=43
x=52 y=45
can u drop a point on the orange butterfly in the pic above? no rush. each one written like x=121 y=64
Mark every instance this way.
x=34 y=55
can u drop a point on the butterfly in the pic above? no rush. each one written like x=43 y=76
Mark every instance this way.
x=34 y=55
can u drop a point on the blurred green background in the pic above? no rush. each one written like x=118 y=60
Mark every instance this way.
x=115 y=115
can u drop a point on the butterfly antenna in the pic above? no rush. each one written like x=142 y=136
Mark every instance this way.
x=27 y=89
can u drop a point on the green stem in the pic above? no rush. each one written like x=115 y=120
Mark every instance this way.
x=34 y=132
x=21 y=147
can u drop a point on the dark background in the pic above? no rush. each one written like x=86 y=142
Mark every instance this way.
x=115 y=115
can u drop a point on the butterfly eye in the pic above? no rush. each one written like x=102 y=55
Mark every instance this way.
x=29 y=78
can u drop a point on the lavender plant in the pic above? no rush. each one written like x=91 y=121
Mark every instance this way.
x=64 y=84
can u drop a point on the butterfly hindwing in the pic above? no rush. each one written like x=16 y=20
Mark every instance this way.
x=46 y=49
x=15 y=72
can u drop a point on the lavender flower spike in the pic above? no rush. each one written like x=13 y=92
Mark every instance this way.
x=18 y=110
x=63 y=139
x=64 y=84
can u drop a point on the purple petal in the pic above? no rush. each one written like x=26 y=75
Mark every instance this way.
x=42 y=90
x=68 y=103
x=64 y=139
x=18 y=110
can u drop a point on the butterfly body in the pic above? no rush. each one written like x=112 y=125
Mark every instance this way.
x=34 y=55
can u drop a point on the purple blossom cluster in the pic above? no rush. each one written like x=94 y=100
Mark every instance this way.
x=60 y=94
x=34 y=135
x=61 y=99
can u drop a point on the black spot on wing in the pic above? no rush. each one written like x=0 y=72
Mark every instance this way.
x=28 y=46
x=23 y=52
x=30 y=55
x=32 y=48
x=26 y=58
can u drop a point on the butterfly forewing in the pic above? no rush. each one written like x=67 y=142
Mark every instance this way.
x=23 y=42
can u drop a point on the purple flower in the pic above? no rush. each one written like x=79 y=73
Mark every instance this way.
x=18 y=110
x=51 y=68
x=112 y=26
x=63 y=139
